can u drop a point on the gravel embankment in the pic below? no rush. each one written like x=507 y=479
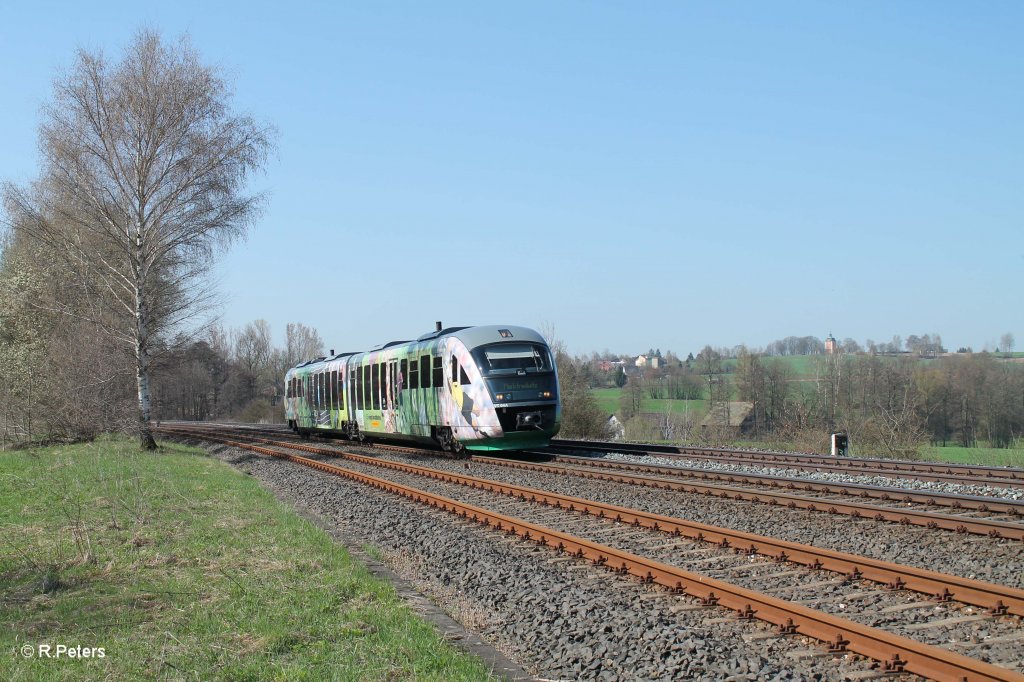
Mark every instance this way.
x=901 y=612
x=559 y=617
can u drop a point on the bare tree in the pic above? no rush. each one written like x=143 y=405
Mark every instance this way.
x=301 y=343
x=1006 y=342
x=709 y=363
x=254 y=350
x=144 y=177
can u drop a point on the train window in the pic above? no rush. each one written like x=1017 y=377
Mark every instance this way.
x=367 y=395
x=359 y=387
x=462 y=376
x=375 y=385
x=438 y=376
x=334 y=389
x=510 y=358
x=455 y=369
x=414 y=374
x=403 y=374
x=425 y=371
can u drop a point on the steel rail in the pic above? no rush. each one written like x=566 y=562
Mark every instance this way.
x=897 y=653
x=998 y=599
x=978 y=470
x=982 y=503
x=932 y=520
x=996 y=505
x=1012 y=478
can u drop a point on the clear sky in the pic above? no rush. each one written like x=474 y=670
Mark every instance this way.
x=633 y=174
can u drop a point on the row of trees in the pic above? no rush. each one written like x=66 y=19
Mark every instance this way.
x=235 y=373
x=888 y=405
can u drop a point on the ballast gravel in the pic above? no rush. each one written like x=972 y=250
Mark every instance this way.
x=559 y=617
x=970 y=556
x=823 y=476
x=861 y=601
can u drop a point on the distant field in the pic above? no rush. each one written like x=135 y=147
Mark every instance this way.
x=608 y=399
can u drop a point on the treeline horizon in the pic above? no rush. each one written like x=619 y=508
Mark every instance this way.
x=927 y=345
x=889 y=405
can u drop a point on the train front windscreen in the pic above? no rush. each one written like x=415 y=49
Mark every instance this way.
x=513 y=358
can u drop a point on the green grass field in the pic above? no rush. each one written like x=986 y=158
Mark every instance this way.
x=985 y=456
x=608 y=399
x=180 y=567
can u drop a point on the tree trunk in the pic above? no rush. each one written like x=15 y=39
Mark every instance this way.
x=146 y=440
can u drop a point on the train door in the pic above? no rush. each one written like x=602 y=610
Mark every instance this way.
x=456 y=385
x=390 y=385
x=393 y=384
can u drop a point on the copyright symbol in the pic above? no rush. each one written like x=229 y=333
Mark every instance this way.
x=28 y=650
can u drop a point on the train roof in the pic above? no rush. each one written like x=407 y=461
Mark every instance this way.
x=479 y=336
x=470 y=336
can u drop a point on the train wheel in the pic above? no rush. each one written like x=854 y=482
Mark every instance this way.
x=448 y=442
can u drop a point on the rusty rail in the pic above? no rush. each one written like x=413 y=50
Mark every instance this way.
x=998 y=599
x=896 y=653
x=960 y=524
x=925 y=471
x=948 y=522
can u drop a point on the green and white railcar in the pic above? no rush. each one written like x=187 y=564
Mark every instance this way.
x=464 y=388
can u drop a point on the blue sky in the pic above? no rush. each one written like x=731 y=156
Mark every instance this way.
x=633 y=175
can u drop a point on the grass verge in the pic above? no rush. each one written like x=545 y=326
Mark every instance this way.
x=178 y=566
x=1013 y=457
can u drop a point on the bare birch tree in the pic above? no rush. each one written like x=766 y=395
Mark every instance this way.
x=145 y=172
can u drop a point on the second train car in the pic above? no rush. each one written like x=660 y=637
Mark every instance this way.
x=463 y=388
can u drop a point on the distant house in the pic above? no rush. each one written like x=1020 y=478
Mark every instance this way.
x=831 y=345
x=609 y=365
x=732 y=418
x=652 y=361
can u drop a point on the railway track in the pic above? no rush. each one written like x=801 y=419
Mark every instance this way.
x=933 y=510
x=832 y=498
x=897 y=651
x=922 y=471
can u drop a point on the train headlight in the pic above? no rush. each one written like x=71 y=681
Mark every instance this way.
x=502 y=397
x=545 y=394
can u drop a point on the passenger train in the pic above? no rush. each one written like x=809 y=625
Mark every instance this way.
x=463 y=388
